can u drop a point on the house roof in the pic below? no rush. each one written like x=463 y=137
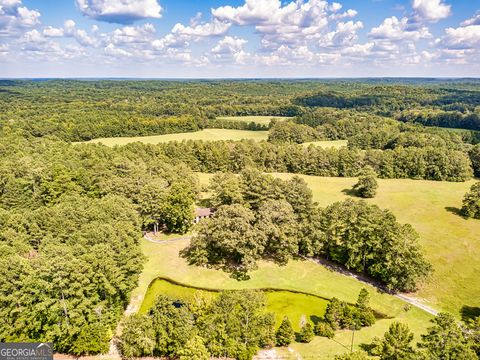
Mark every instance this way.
x=203 y=212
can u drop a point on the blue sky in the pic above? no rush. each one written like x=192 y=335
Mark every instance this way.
x=239 y=38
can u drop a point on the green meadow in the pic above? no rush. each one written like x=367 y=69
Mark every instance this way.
x=262 y=120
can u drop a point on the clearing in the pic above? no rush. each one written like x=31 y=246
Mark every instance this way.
x=262 y=120
x=206 y=135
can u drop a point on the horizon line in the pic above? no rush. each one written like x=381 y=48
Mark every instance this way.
x=239 y=78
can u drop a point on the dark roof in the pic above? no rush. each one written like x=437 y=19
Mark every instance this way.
x=203 y=212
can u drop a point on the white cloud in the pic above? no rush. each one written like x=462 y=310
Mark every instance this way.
x=290 y=23
x=120 y=11
x=69 y=26
x=359 y=50
x=431 y=10
x=86 y=40
x=345 y=34
x=50 y=31
x=467 y=37
x=475 y=20
x=229 y=45
x=114 y=51
x=214 y=28
x=393 y=29
x=14 y=17
x=82 y=37
x=35 y=46
x=133 y=34
x=169 y=41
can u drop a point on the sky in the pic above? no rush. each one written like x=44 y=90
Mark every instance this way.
x=239 y=38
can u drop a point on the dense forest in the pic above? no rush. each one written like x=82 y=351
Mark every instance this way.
x=83 y=110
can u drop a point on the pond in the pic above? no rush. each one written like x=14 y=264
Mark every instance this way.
x=295 y=305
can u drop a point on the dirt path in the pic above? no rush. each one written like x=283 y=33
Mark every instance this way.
x=341 y=270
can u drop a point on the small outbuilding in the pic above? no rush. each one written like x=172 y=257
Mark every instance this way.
x=202 y=213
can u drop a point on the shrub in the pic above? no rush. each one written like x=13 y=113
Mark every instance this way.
x=471 y=202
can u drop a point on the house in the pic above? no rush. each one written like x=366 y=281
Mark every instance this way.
x=202 y=213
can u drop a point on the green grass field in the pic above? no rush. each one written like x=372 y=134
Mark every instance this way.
x=451 y=243
x=327 y=144
x=263 y=120
x=206 y=135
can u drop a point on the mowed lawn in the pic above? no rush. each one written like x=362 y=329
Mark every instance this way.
x=206 y=135
x=263 y=120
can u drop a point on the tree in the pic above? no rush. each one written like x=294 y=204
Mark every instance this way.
x=364 y=313
x=277 y=226
x=306 y=333
x=367 y=185
x=150 y=202
x=367 y=239
x=471 y=202
x=92 y=339
x=258 y=188
x=227 y=189
x=237 y=324
x=324 y=329
x=473 y=334
x=286 y=131
x=474 y=154
x=396 y=343
x=138 y=337
x=339 y=315
x=446 y=340
x=299 y=196
x=228 y=241
x=173 y=326
x=285 y=334
x=194 y=349
x=177 y=210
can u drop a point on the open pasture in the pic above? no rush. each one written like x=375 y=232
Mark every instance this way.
x=205 y=135
x=262 y=120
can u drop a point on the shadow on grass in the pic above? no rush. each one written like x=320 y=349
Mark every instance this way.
x=455 y=211
x=469 y=312
x=350 y=192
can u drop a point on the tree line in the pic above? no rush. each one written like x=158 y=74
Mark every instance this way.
x=430 y=163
